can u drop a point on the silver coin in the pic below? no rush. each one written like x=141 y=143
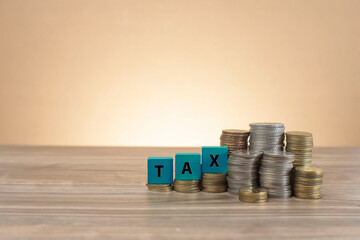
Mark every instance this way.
x=275 y=173
x=243 y=168
x=266 y=137
x=266 y=124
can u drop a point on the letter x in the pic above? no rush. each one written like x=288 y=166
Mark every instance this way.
x=214 y=160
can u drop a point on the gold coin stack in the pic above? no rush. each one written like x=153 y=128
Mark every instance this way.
x=300 y=143
x=187 y=186
x=253 y=195
x=234 y=139
x=213 y=182
x=307 y=182
x=160 y=187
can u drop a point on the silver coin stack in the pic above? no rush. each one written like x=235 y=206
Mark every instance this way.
x=267 y=137
x=275 y=173
x=243 y=167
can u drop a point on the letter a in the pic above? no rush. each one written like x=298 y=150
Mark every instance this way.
x=186 y=168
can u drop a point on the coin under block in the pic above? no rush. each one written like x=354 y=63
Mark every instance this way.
x=160 y=170
x=214 y=159
x=187 y=166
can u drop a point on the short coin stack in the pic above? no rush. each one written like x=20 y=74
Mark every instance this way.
x=300 y=143
x=266 y=137
x=243 y=167
x=275 y=172
x=307 y=182
x=213 y=182
x=253 y=195
x=160 y=187
x=187 y=186
x=234 y=139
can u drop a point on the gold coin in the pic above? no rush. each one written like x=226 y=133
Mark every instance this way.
x=160 y=187
x=307 y=196
x=213 y=182
x=306 y=188
x=214 y=189
x=187 y=186
x=309 y=171
x=252 y=200
x=298 y=134
x=307 y=181
x=250 y=191
x=253 y=195
x=300 y=143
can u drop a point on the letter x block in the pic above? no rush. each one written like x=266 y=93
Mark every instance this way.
x=187 y=166
x=160 y=170
x=214 y=159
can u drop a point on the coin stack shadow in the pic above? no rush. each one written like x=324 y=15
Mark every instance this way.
x=160 y=187
x=243 y=167
x=266 y=137
x=307 y=182
x=234 y=139
x=300 y=143
x=275 y=173
x=187 y=186
x=213 y=182
x=253 y=195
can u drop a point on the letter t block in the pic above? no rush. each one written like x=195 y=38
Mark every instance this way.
x=160 y=170
x=187 y=166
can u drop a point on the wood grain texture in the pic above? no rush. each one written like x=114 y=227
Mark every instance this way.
x=100 y=193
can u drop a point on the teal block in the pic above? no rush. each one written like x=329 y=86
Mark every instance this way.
x=214 y=159
x=160 y=170
x=187 y=166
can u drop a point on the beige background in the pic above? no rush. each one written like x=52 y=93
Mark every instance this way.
x=177 y=72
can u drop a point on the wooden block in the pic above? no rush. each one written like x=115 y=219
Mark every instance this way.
x=187 y=166
x=160 y=170
x=214 y=159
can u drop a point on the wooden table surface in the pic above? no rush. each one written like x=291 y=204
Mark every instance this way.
x=100 y=193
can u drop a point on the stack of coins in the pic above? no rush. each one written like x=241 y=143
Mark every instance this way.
x=253 y=195
x=275 y=173
x=307 y=182
x=300 y=143
x=187 y=186
x=267 y=137
x=234 y=139
x=213 y=182
x=160 y=187
x=243 y=167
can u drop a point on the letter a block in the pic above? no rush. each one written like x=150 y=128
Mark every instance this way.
x=187 y=166
x=214 y=159
x=160 y=170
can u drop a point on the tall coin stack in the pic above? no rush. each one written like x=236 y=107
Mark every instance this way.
x=307 y=182
x=187 y=186
x=243 y=167
x=267 y=137
x=213 y=182
x=300 y=143
x=160 y=187
x=234 y=139
x=275 y=173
